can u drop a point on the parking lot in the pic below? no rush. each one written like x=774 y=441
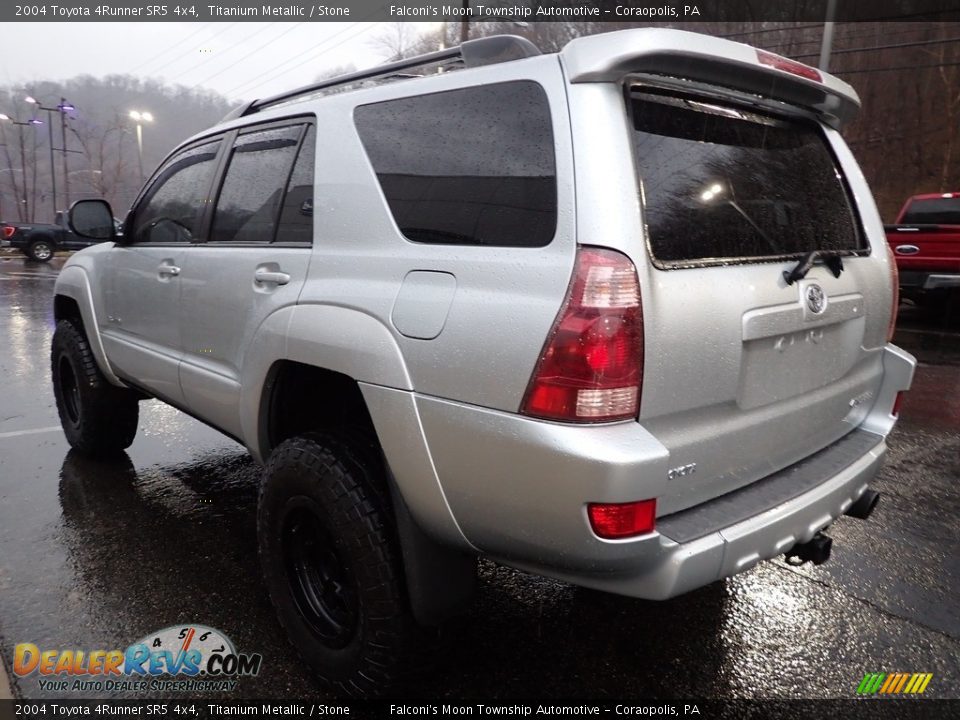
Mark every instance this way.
x=95 y=555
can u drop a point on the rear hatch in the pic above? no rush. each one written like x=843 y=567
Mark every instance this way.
x=746 y=373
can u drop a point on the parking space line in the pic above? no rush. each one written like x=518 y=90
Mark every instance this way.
x=35 y=431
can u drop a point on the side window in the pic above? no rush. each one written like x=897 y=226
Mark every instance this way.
x=249 y=203
x=296 y=215
x=466 y=167
x=170 y=210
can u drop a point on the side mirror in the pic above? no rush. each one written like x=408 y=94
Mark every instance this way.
x=92 y=219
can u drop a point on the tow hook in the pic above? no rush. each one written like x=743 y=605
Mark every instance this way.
x=864 y=505
x=816 y=550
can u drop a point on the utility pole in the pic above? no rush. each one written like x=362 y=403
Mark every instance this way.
x=826 y=44
x=465 y=23
x=63 y=146
x=61 y=109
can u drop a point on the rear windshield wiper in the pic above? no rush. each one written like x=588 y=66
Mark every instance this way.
x=831 y=258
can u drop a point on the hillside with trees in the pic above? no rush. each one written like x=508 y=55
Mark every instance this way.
x=101 y=139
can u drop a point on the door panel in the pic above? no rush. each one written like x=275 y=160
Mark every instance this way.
x=141 y=332
x=222 y=305
x=254 y=264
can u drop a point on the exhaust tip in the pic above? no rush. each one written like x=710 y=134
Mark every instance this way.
x=816 y=550
x=864 y=505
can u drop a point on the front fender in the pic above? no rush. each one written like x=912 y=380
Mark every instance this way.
x=74 y=283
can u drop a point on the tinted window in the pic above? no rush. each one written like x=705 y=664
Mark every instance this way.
x=935 y=211
x=170 y=210
x=296 y=215
x=253 y=188
x=720 y=182
x=470 y=167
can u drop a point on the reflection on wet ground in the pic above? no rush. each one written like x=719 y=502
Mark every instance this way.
x=95 y=555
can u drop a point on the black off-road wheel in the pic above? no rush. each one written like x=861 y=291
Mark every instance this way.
x=40 y=250
x=332 y=564
x=99 y=419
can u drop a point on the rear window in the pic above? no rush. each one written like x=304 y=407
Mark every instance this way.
x=933 y=211
x=466 y=167
x=724 y=184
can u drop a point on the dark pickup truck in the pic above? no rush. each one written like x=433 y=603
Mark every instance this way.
x=926 y=243
x=39 y=241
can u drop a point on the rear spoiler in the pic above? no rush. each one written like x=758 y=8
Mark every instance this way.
x=609 y=57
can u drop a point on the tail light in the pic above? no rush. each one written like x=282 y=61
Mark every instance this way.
x=897 y=402
x=614 y=521
x=895 y=279
x=591 y=366
x=8 y=232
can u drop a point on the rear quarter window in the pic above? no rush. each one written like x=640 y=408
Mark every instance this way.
x=723 y=184
x=474 y=166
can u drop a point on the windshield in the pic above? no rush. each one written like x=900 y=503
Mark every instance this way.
x=725 y=184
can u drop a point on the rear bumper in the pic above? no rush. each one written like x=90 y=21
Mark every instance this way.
x=518 y=489
x=681 y=566
x=918 y=280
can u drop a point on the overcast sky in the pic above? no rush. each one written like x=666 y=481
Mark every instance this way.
x=241 y=60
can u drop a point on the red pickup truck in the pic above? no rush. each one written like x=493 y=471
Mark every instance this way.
x=926 y=243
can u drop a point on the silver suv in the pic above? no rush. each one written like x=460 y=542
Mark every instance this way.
x=618 y=315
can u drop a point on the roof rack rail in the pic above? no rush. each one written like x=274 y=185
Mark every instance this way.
x=472 y=53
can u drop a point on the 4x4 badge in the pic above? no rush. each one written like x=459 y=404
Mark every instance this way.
x=816 y=299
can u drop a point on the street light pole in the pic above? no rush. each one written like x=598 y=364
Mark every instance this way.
x=139 y=117
x=61 y=109
x=64 y=106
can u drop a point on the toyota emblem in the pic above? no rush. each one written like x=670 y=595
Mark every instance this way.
x=816 y=299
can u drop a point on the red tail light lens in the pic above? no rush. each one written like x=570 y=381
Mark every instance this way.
x=897 y=402
x=790 y=66
x=895 y=279
x=592 y=363
x=614 y=521
x=8 y=231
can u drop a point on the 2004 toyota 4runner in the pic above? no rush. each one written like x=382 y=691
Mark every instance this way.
x=618 y=315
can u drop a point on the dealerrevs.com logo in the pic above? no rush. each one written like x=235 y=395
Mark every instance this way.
x=200 y=658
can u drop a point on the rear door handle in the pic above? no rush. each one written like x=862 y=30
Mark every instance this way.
x=167 y=269
x=907 y=249
x=271 y=276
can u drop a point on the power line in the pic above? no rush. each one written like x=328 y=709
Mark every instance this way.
x=169 y=63
x=172 y=47
x=280 y=68
x=788 y=28
x=314 y=57
x=293 y=26
x=917 y=43
x=234 y=46
x=843 y=36
x=901 y=67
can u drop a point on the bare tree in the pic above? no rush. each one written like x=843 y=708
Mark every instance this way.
x=108 y=170
x=397 y=40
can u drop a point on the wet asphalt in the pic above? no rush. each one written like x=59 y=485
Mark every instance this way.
x=96 y=555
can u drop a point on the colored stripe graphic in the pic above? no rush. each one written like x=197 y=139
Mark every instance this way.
x=894 y=683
